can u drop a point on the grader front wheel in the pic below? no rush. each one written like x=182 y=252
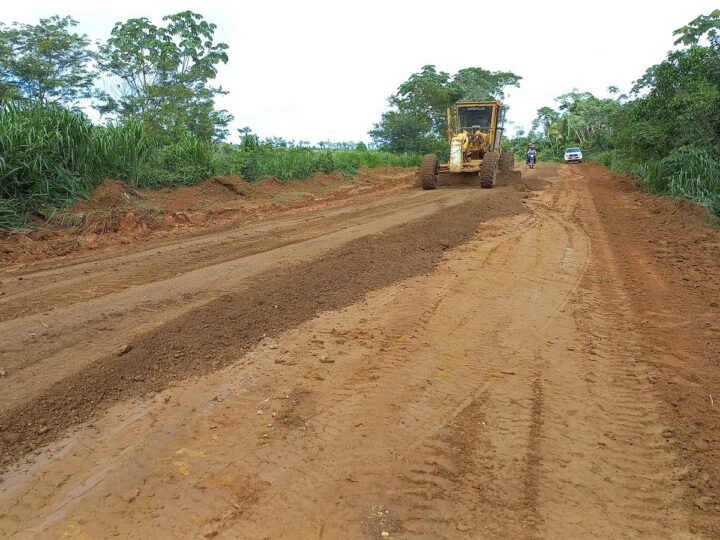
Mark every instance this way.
x=507 y=162
x=429 y=172
x=488 y=170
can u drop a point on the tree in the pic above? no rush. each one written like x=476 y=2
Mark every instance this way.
x=426 y=93
x=45 y=63
x=581 y=118
x=248 y=140
x=587 y=119
x=546 y=117
x=164 y=75
x=478 y=84
x=549 y=124
x=417 y=121
x=680 y=106
x=691 y=33
x=405 y=131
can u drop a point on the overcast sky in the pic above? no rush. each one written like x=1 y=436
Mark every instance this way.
x=318 y=70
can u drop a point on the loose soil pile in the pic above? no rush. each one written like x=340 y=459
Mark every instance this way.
x=117 y=214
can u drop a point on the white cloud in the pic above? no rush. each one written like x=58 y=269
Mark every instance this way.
x=321 y=69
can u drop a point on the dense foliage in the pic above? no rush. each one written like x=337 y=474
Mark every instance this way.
x=667 y=131
x=580 y=119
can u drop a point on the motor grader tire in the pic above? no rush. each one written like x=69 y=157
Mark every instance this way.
x=507 y=162
x=488 y=170
x=429 y=172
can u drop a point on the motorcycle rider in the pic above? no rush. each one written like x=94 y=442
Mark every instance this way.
x=531 y=155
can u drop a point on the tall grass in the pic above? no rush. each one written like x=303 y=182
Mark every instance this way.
x=46 y=157
x=300 y=163
x=124 y=152
x=51 y=157
x=688 y=172
x=351 y=160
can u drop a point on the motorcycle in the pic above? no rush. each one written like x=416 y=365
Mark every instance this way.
x=531 y=162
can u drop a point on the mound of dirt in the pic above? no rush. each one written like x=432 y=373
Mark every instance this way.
x=218 y=190
x=112 y=208
x=234 y=184
x=132 y=223
x=108 y=194
x=505 y=178
x=117 y=214
x=676 y=211
x=270 y=184
x=324 y=179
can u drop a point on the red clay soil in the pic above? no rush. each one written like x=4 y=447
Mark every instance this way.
x=215 y=334
x=668 y=253
x=527 y=365
x=116 y=214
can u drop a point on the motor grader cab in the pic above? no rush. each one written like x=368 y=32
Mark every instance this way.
x=474 y=134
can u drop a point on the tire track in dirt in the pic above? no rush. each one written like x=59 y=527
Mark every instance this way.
x=534 y=456
x=38 y=350
x=502 y=395
x=609 y=467
x=44 y=290
x=214 y=335
x=593 y=462
x=463 y=469
x=666 y=285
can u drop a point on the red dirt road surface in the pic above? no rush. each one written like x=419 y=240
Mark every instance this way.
x=539 y=360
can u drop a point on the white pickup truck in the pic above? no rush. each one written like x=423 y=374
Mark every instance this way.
x=573 y=155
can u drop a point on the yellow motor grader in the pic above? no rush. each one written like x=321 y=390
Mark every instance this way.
x=474 y=133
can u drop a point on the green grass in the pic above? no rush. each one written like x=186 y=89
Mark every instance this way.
x=688 y=172
x=47 y=155
x=51 y=157
x=299 y=163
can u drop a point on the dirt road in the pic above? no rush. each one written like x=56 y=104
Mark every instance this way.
x=539 y=360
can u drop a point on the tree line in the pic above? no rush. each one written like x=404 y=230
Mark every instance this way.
x=163 y=126
x=666 y=131
x=158 y=74
x=152 y=84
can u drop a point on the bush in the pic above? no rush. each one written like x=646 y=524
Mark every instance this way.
x=230 y=160
x=185 y=162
